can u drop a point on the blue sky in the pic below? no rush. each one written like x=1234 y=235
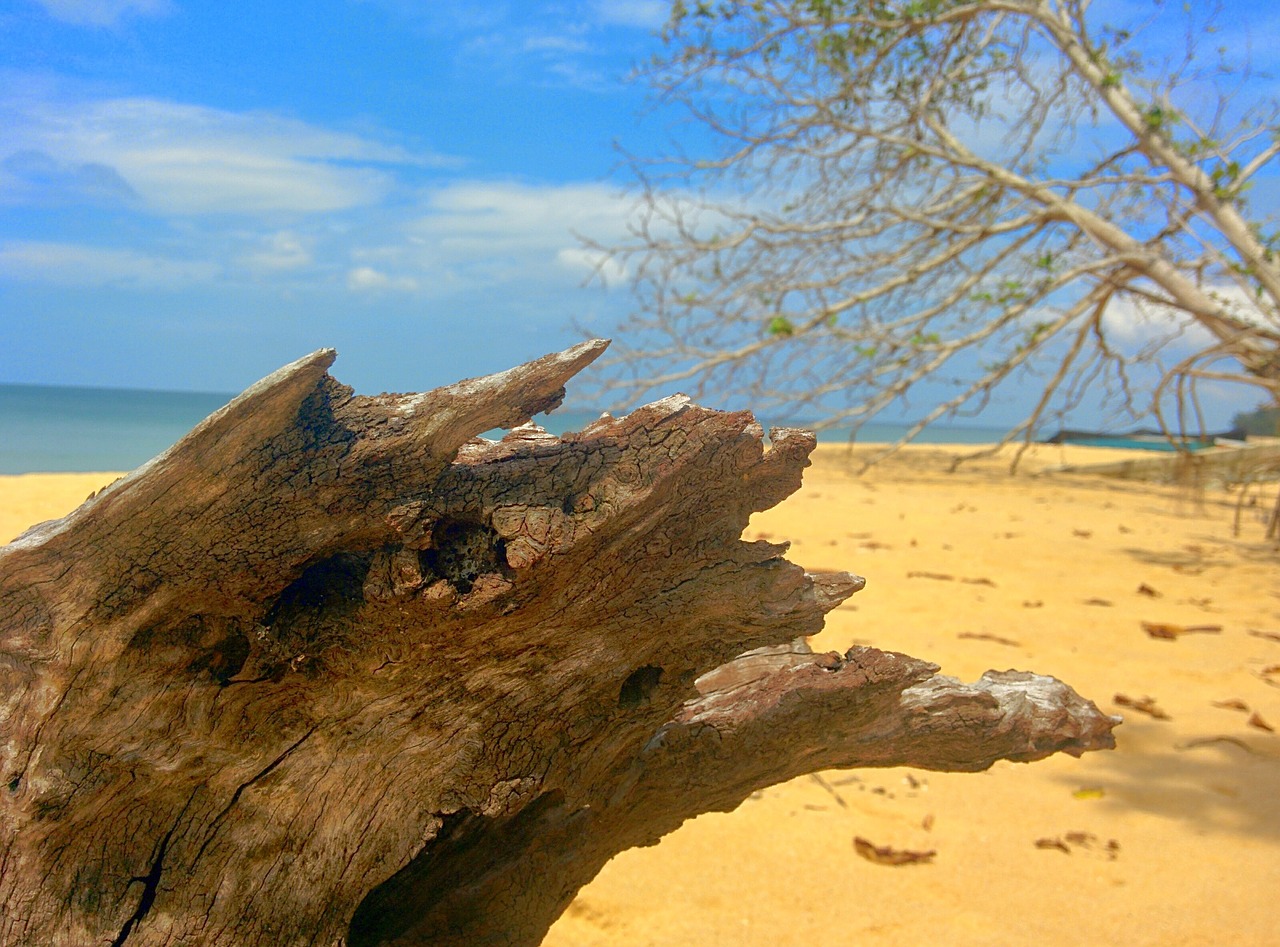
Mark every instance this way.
x=192 y=194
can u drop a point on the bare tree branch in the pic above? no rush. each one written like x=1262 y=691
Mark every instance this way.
x=950 y=192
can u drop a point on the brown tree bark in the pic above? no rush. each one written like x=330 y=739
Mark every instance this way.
x=332 y=671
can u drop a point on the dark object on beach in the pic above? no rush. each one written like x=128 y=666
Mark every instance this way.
x=1169 y=632
x=1233 y=703
x=1145 y=705
x=1054 y=843
x=986 y=636
x=1143 y=439
x=884 y=855
x=1086 y=841
x=332 y=671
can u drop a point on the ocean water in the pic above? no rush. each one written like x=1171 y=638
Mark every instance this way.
x=47 y=429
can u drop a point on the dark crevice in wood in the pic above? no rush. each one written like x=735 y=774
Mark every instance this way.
x=314 y=612
x=333 y=583
x=638 y=686
x=235 y=797
x=150 y=882
x=443 y=895
x=462 y=551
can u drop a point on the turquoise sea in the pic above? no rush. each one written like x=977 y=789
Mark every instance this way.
x=47 y=429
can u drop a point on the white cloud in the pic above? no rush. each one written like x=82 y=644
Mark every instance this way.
x=364 y=279
x=1137 y=323
x=591 y=263
x=509 y=215
x=477 y=235
x=449 y=17
x=506 y=231
x=583 y=44
x=646 y=14
x=549 y=43
x=191 y=159
x=279 y=252
x=29 y=175
x=102 y=12
x=80 y=265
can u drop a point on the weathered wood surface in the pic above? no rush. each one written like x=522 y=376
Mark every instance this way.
x=330 y=671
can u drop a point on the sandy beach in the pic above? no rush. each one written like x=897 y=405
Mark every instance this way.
x=1172 y=839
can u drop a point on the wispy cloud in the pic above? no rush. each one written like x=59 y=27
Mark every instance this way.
x=582 y=260
x=103 y=12
x=514 y=214
x=77 y=265
x=256 y=198
x=365 y=279
x=279 y=252
x=449 y=17
x=508 y=232
x=560 y=43
x=179 y=158
x=1138 y=323
x=643 y=14
x=28 y=176
x=550 y=43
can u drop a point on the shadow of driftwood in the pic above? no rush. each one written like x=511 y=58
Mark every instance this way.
x=1226 y=782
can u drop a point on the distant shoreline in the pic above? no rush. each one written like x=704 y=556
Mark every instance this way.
x=63 y=429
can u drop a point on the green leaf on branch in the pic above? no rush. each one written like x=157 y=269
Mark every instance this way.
x=781 y=326
x=1159 y=119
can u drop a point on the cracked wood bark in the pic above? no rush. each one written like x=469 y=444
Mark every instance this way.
x=331 y=671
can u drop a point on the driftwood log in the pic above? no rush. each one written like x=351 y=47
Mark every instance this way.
x=332 y=670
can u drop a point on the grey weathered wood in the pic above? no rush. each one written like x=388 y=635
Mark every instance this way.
x=331 y=671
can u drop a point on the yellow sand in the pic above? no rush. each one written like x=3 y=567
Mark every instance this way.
x=1178 y=830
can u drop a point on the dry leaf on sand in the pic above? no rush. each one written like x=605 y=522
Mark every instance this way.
x=1144 y=705
x=885 y=855
x=1233 y=703
x=1167 y=632
x=1057 y=843
x=984 y=636
x=1257 y=721
x=1085 y=841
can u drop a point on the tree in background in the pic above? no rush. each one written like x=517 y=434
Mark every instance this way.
x=1263 y=420
x=956 y=193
